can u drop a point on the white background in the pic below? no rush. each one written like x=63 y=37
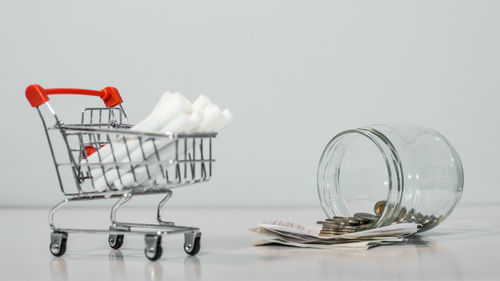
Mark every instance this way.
x=294 y=73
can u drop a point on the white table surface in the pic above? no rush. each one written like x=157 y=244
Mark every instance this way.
x=465 y=247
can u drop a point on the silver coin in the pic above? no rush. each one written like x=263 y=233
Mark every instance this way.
x=355 y=224
x=419 y=217
x=410 y=219
x=340 y=228
x=338 y=218
x=351 y=220
x=349 y=223
x=365 y=216
x=368 y=221
x=365 y=226
x=402 y=213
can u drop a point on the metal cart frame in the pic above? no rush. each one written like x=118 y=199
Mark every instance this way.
x=172 y=160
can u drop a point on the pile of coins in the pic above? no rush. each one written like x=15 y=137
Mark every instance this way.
x=362 y=221
x=417 y=217
x=343 y=225
x=411 y=216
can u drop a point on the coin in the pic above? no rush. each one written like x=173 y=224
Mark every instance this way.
x=379 y=207
x=419 y=217
x=339 y=219
x=402 y=213
x=404 y=216
x=355 y=219
x=340 y=227
x=401 y=217
x=426 y=220
x=344 y=222
x=369 y=220
x=365 y=226
x=365 y=216
x=337 y=230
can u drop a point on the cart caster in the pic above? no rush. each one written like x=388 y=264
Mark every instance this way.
x=192 y=243
x=115 y=241
x=153 y=249
x=58 y=243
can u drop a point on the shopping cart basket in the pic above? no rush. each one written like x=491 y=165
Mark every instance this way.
x=165 y=161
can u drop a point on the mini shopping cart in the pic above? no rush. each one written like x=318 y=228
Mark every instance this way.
x=165 y=161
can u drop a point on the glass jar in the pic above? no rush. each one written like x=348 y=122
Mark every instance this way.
x=396 y=174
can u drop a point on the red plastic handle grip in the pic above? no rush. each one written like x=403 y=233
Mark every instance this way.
x=37 y=95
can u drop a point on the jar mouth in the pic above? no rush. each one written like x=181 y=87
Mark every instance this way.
x=329 y=175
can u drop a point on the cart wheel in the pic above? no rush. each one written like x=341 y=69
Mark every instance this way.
x=192 y=243
x=153 y=249
x=115 y=241
x=58 y=243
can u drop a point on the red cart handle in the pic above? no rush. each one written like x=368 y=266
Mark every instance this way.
x=37 y=95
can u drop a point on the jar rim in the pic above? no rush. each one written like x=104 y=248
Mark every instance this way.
x=393 y=166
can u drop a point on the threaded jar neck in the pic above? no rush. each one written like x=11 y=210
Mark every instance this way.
x=330 y=189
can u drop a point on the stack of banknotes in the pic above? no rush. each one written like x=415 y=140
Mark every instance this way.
x=292 y=234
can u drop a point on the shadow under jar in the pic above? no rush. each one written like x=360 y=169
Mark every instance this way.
x=396 y=174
